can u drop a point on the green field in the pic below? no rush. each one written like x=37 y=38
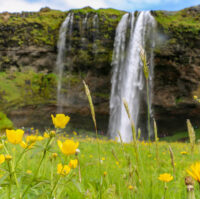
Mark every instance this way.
x=118 y=174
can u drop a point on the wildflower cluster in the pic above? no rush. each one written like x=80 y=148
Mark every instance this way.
x=15 y=138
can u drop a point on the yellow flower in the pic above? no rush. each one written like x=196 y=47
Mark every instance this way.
x=165 y=177
x=73 y=164
x=26 y=146
x=33 y=138
x=63 y=170
x=102 y=158
x=195 y=97
x=8 y=157
x=14 y=136
x=184 y=152
x=130 y=187
x=46 y=135
x=68 y=147
x=52 y=134
x=117 y=163
x=194 y=171
x=104 y=173
x=40 y=138
x=60 y=121
x=2 y=158
x=29 y=171
x=75 y=133
x=54 y=155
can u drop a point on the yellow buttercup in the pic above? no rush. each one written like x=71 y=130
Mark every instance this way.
x=194 y=171
x=14 y=136
x=73 y=164
x=60 y=121
x=63 y=169
x=165 y=177
x=68 y=147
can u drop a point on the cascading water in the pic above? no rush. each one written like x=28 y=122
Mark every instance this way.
x=83 y=30
x=95 y=34
x=128 y=80
x=65 y=28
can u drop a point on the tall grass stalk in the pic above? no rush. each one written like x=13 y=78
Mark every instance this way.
x=133 y=132
x=87 y=92
x=146 y=74
x=156 y=140
x=122 y=143
x=191 y=134
x=172 y=159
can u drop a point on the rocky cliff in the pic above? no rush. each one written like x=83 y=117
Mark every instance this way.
x=177 y=69
x=28 y=50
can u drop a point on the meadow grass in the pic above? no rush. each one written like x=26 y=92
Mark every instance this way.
x=119 y=177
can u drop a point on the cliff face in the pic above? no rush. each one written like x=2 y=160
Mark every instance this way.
x=177 y=69
x=28 y=50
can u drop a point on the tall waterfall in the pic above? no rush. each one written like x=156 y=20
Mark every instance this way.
x=65 y=28
x=133 y=32
x=95 y=25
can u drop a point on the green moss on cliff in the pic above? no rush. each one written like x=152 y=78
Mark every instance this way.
x=107 y=11
x=39 y=28
x=42 y=28
x=184 y=21
x=26 y=88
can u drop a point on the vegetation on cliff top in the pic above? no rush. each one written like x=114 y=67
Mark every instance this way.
x=41 y=28
x=183 y=21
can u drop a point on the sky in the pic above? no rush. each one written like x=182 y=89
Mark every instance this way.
x=127 y=5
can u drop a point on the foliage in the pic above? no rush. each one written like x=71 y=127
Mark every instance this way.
x=5 y=123
x=26 y=88
x=40 y=28
x=184 y=21
x=119 y=172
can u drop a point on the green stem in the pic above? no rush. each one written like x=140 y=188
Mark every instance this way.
x=12 y=171
x=148 y=109
x=55 y=186
x=52 y=173
x=10 y=180
x=38 y=168
x=165 y=190
x=20 y=157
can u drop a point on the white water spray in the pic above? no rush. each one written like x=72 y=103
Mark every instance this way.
x=61 y=45
x=128 y=80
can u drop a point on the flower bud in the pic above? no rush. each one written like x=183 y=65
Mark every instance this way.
x=8 y=157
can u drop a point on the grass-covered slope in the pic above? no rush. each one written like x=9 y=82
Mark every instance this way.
x=183 y=24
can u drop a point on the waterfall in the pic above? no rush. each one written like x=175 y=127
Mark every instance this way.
x=95 y=34
x=65 y=28
x=128 y=81
x=83 y=31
